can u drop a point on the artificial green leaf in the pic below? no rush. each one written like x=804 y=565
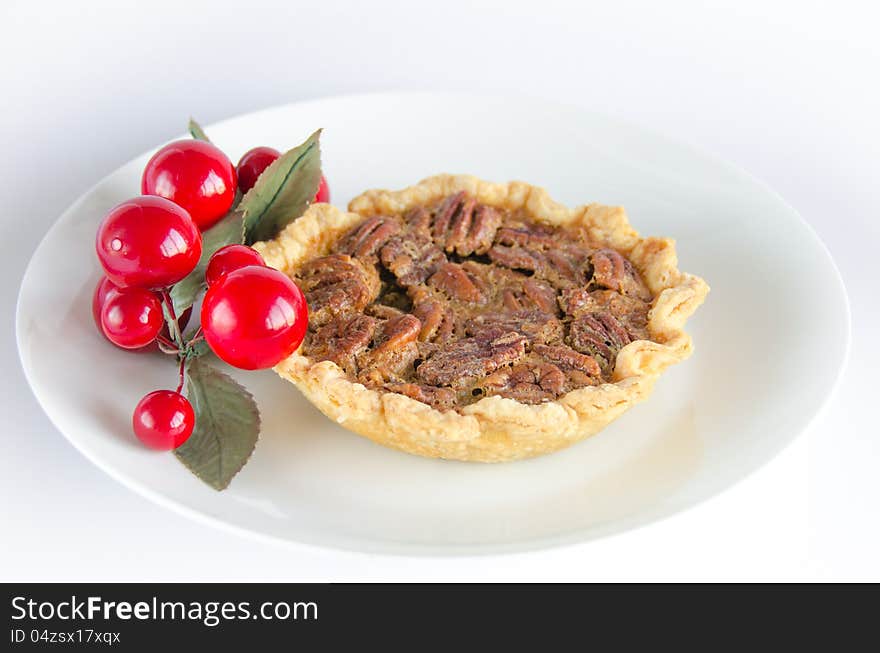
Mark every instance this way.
x=226 y=232
x=196 y=131
x=227 y=425
x=283 y=191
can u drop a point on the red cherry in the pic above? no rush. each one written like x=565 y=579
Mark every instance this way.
x=99 y=297
x=323 y=194
x=163 y=420
x=148 y=242
x=195 y=175
x=131 y=317
x=102 y=291
x=229 y=258
x=254 y=317
x=252 y=164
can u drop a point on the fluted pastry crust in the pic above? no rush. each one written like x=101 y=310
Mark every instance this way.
x=494 y=429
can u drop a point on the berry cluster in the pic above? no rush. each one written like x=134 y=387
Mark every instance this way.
x=252 y=316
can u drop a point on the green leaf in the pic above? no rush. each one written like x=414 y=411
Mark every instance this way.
x=196 y=131
x=227 y=425
x=226 y=232
x=283 y=191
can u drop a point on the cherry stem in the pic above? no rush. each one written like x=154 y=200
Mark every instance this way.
x=179 y=346
x=198 y=335
x=180 y=373
x=166 y=345
x=169 y=304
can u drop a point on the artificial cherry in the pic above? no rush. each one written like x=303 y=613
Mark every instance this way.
x=194 y=174
x=102 y=290
x=255 y=161
x=163 y=420
x=99 y=297
x=131 y=318
x=252 y=164
x=148 y=242
x=229 y=258
x=254 y=317
x=323 y=194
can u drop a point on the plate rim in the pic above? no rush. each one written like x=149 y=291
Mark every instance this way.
x=364 y=547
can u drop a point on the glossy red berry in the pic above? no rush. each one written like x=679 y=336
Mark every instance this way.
x=323 y=194
x=131 y=318
x=254 y=317
x=252 y=164
x=148 y=242
x=193 y=174
x=229 y=258
x=99 y=297
x=163 y=420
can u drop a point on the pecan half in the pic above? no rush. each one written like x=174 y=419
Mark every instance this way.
x=335 y=285
x=452 y=280
x=341 y=340
x=411 y=257
x=482 y=232
x=438 y=320
x=452 y=213
x=394 y=351
x=464 y=227
x=568 y=265
x=599 y=334
x=529 y=294
x=631 y=312
x=517 y=258
x=397 y=333
x=568 y=359
x=472 y=357
x=611 y=270
x=535 y=325
x=367 y=238
x=458 y=227
x=419 y=219
x=532 y=382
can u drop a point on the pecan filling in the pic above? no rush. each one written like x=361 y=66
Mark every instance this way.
x=458 y=301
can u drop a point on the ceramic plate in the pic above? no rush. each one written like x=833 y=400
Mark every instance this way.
x=770 y=341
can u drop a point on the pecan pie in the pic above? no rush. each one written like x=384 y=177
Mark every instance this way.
x=470 y=320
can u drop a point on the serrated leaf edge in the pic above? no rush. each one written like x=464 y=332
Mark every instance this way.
x=259 y=425
x=315 y=142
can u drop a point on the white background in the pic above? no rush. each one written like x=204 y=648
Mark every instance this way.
x=786 y=90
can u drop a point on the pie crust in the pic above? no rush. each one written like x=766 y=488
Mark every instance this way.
x=494 y=429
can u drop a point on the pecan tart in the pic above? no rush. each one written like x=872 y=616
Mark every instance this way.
x=471 y=320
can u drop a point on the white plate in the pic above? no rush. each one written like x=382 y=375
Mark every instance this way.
x=771 y=341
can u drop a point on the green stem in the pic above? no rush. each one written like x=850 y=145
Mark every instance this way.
x=167 y=346
x=174 y=327
x=180 y=373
